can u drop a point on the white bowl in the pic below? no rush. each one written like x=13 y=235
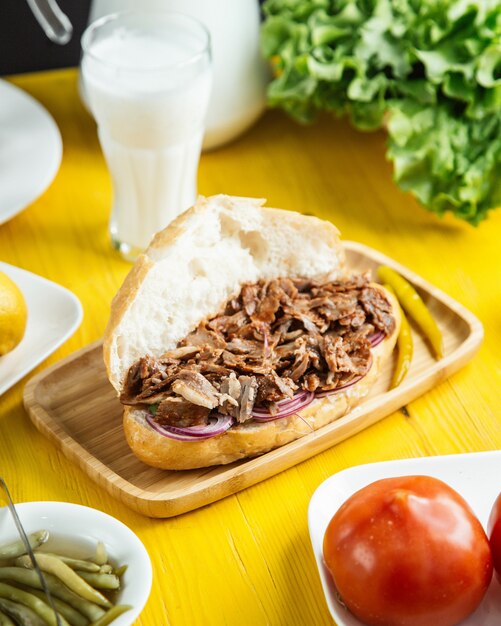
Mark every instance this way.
x=475 y=476
x=84 y=527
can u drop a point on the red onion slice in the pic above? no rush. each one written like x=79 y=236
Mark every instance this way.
x=217 y=425
x=285 y=407
x=376 y=338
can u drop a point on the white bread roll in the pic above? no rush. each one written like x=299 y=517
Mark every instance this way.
x=190 y=270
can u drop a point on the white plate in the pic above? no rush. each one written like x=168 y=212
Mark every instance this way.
x=30 y=150
x=54 y=313
x=82 y=527
x=477 y=477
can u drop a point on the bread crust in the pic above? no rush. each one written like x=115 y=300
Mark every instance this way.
x=120 y=303
x=253 y=438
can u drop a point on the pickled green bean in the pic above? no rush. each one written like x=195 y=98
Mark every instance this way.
x=112 y=614
x=86 y=566
x=100 y=581
x=17 y=548
x=30 y=578
x=5 y=620
x=120 y=571
x=55 y=566
x=68 y=612
x=101 y=555
x=21 y=613
x=39 y=607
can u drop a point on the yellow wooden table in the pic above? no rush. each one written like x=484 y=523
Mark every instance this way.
x=246 y=560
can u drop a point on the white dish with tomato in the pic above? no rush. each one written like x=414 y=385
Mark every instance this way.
x=473 y=477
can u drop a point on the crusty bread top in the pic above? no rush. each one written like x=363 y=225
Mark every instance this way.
x=200 y=261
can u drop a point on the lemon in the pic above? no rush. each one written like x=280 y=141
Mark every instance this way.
x=13 y=314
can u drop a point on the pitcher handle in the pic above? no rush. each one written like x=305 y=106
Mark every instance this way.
x=54 y=22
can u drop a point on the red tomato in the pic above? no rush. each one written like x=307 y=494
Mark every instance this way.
x=408 y=551
x=494 y=531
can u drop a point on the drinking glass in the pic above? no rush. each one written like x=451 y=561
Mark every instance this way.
x=147 y=76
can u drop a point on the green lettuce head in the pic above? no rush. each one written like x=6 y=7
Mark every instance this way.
x=430 y=70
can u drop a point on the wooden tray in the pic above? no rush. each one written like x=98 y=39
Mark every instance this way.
x=74 y=405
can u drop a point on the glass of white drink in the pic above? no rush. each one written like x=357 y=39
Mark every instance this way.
x=148 y=77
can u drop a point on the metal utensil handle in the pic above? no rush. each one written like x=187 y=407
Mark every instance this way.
x=24 y=539
x=54 y=22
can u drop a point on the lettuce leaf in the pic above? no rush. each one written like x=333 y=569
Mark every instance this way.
x=430 y=71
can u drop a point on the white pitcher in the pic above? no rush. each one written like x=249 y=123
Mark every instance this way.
x=239 y=72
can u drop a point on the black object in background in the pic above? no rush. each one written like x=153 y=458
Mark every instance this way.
x=24 y=47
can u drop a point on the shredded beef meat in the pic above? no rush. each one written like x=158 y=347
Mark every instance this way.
x=195 y=388
x=274 y=338
x=176 y=411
